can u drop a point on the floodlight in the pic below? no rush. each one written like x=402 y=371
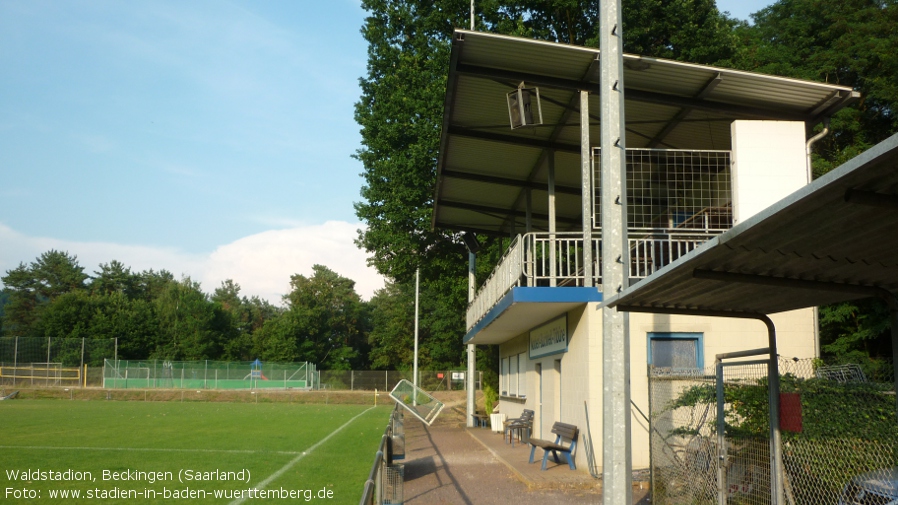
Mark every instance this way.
x=471 y=242
x=524 y=107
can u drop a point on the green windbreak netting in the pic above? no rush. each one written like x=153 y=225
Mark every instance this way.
x=417 y=401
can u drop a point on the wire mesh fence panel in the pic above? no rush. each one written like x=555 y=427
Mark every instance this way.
x=841 y=440
x=682 y=418
x=747 y=461
x=839 y=436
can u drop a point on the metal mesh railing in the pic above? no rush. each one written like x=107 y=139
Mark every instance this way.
x=839 y=437
x=673 y=190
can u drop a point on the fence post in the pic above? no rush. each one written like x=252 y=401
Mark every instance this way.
x=82 y=357
x=15 y=361
x=351 y=380
x=386 y=381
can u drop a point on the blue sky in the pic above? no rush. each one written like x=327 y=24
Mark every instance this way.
x=211 y=138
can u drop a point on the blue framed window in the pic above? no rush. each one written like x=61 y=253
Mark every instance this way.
x=677 y=351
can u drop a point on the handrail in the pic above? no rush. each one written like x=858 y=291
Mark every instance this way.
x=382 y=457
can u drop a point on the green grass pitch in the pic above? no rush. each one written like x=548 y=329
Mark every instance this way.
x=51 y=446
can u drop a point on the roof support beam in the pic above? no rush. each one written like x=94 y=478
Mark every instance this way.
x=512 y=139
x=504 y=181
x=872 y=199
x=784 y=282
x=669 y=127
x=498 y=211
x=632 y=94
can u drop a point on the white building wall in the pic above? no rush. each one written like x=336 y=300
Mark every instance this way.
x=769 y=163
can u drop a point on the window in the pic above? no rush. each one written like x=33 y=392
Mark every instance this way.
x=513 y=375
x=503 y=378
x=677 y=351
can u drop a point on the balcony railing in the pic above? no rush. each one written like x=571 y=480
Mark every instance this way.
x=539 y=259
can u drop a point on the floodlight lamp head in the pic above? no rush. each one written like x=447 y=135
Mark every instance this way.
x=524 y=107
x=471 y=242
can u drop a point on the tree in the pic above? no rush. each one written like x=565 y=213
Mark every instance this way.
x=843 y=42
x=688 y=30
x=392 y=327
x=244 y=317
x=190 y=326
x=32 y=287
x=328 y=319
x=115 y=277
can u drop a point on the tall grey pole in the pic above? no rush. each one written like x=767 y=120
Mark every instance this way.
x=472 y=15
x=415 y=367
x=616 y=458
x=472 y=357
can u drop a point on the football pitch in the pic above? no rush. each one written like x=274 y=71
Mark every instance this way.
x=59 y=451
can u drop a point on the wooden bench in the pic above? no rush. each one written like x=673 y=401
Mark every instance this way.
x=481 y=420
x=565 y=443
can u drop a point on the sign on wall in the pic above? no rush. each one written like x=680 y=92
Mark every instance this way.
x=550 y=338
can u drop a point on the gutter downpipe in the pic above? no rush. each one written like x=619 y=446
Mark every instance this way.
x=810 y=143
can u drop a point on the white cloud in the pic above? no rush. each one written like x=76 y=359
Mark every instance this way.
x=261 y=264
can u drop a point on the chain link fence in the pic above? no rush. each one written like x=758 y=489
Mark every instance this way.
x=386 y=380
x=36 y=361
x=164 y=374
x=837 y=423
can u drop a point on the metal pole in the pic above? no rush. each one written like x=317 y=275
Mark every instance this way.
x=553 y=260
x=586 y=189
x=15 y=361
x=472 y=15
x=776 y=442
x=82 y=358
x=616 y=458
x=472 y=353
x=415 y=370
x=721 y=439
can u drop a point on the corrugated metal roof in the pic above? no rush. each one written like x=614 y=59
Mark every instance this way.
x=668 y=104
x=831 y=241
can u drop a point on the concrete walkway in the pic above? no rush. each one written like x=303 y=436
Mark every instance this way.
x=447 y=463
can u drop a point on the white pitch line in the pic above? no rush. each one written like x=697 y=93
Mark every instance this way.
x=295 y=460
x=144 y=449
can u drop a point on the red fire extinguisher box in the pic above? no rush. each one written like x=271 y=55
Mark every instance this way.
x=790 y=412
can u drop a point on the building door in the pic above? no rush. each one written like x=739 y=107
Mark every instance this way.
x=539 y=400
x=557 y=367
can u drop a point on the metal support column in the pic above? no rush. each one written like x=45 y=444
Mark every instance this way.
x=553 y=260
x=616 y=458
x=472 y=354
x=586 y=189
